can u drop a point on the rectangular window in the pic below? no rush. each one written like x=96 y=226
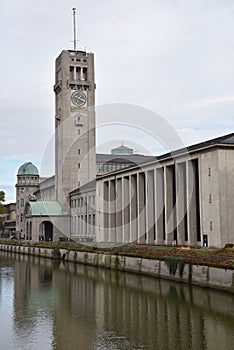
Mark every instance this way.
x=210 y=198
x=22 y=202
x=78 y=150
x=211 y=226
x=21 y=217
x=209 y=172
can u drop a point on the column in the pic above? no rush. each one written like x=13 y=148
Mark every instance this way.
x=112 y=210
x=150 y=207
x=106 y=211
x=160 y=208
x=141 y=208
x=119 y=208
x=126 y=210
x=133 y=204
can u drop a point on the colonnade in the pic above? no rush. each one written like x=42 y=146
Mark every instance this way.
x=153 y=204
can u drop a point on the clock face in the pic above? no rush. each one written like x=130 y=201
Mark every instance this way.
x=78 y=98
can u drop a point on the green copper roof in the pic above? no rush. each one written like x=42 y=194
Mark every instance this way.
x=44 y=208
x=28 y=169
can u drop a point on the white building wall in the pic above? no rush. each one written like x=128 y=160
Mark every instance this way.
x=194 y=193
x=209 y=196
x=226 y=195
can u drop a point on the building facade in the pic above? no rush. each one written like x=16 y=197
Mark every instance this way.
x=180 y=199
x=8 y=221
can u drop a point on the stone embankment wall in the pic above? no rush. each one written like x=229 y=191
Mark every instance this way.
x=212 y=277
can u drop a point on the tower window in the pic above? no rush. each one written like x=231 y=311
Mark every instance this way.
x=78 y=165
x=209 y=172
x=71 y=72
x=79 y=120
x=22 y=202
x=85 y=73
x=210 y=198
x=78 y=150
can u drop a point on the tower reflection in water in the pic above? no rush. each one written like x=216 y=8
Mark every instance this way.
x=71 y=306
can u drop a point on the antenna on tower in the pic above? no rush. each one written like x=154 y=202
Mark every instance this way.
x=74 y=27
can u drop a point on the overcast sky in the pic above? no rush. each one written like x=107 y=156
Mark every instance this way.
x=175 y=57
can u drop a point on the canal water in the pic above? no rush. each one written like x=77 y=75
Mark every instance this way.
x=47 y=304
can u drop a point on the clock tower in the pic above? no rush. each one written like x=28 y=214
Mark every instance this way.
x=75 y=153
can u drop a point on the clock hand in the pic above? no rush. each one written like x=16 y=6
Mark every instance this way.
x=79 y=98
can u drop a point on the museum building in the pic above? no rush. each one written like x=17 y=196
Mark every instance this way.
x=180 y=198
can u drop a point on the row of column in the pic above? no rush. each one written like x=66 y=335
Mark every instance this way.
x=78 y=73
x=158 y=206
x=83 y=225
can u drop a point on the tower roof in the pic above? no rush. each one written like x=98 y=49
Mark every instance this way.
x=122 y=150
x=28 y=169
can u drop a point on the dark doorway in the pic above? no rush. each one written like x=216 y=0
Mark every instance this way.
x=48 y=231
x=205 y=241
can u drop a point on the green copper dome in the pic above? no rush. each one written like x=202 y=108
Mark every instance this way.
x=28 y=169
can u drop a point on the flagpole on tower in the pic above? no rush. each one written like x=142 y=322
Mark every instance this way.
x=74 y=27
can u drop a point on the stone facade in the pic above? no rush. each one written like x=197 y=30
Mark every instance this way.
x=184 y=200
x=83 y=213
x=27 y=184
x=75 y=152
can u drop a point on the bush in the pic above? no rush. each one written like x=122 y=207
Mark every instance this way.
x=63 y=239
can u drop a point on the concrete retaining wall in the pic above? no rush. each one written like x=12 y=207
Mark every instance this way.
x=212 y=277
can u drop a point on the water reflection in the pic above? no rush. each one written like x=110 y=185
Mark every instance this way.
x=52 y=305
